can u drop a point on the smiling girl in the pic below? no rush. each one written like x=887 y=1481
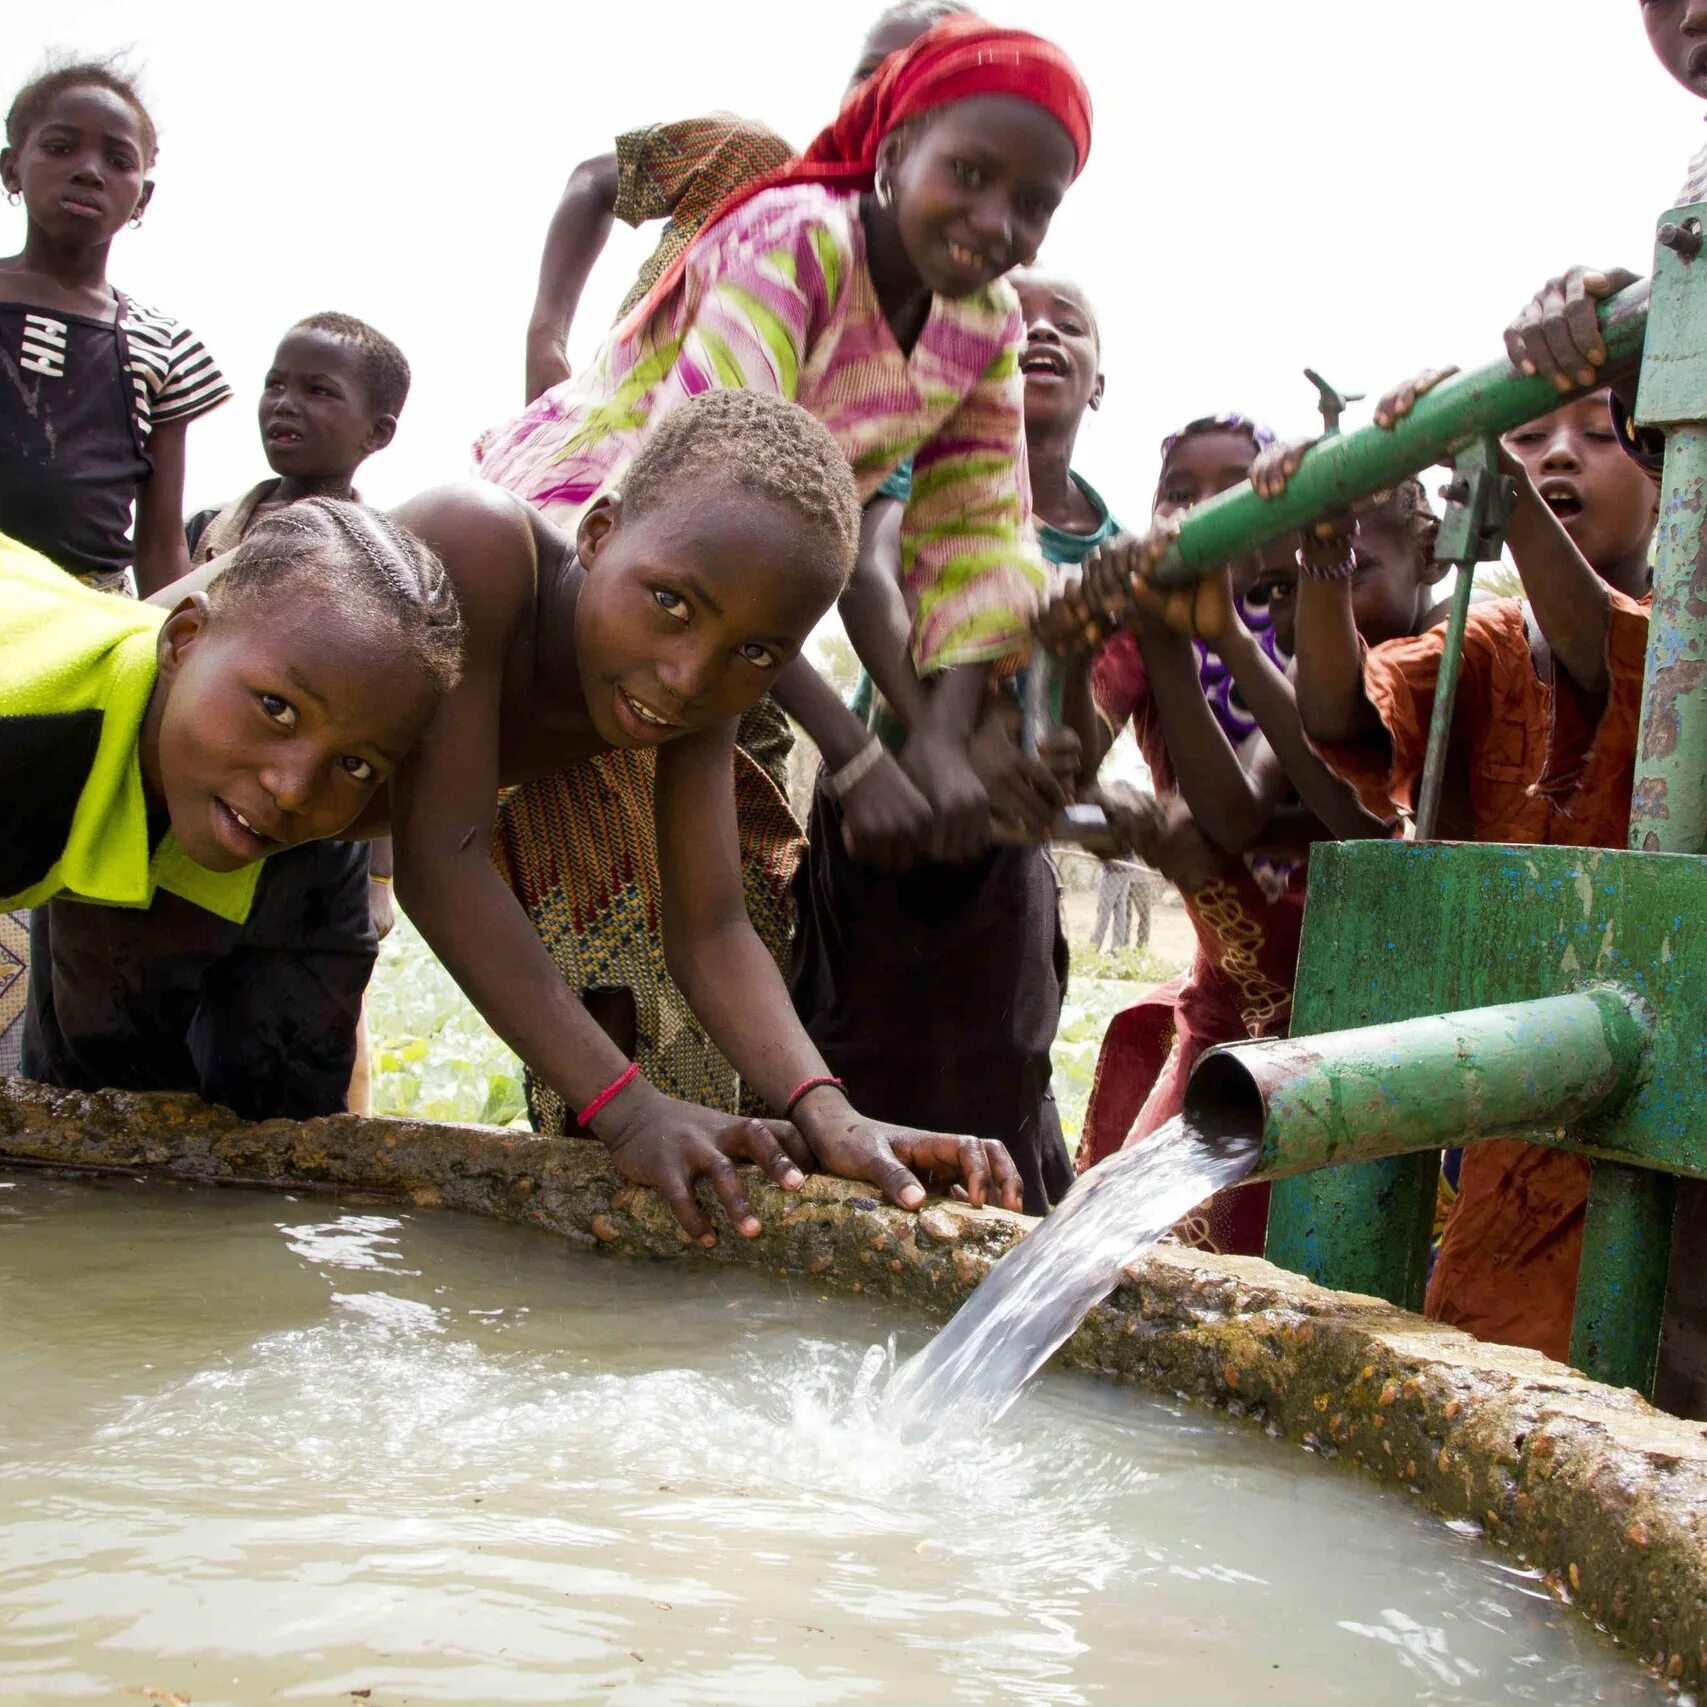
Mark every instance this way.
x=865 y=282
x=100 y=392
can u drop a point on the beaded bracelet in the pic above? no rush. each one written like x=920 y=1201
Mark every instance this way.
x=614 y=1089
x=857 y=768
x=806 y=1087
x=1340 y=571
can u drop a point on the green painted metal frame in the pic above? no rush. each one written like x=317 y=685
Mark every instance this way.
x=1397 y=930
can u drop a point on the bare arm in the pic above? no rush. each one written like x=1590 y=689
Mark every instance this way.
x=162 y=556
x=573 y=243
x=1572 y=605
x=1228 y=801
x=875 y=614
x=734 y=987
x=1272 y=702
x=1329 y=666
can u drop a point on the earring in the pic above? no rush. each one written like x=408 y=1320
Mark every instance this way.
x=136 y=222
x=14 y=196
x=885 y=191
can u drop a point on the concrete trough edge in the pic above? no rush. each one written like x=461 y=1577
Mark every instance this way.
x=1604 y=1494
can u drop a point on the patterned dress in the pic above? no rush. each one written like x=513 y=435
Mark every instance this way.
x=777 y=297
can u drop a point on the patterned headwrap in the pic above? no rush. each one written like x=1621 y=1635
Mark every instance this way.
x=952 y=61
x=1261 y=436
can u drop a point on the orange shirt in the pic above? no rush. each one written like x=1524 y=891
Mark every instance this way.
x=1534 y=761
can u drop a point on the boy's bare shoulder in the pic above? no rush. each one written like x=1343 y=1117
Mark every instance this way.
x=491 y=543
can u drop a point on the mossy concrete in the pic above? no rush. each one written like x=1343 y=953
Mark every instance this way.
x=1592 y=1485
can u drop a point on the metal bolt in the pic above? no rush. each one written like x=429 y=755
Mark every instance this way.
x=1456 y=491
x=1684 y=240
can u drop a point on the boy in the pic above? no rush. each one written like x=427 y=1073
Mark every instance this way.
x=1544 y=733
x=661 y=621
x=156 y=754
x=330 y=400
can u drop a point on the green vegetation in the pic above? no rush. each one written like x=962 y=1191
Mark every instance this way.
x=434 y=1058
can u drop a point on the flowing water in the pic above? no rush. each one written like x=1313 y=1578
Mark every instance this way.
x=1028 y=1305
x=259 y=1449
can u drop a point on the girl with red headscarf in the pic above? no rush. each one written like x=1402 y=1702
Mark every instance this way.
x=865 y=282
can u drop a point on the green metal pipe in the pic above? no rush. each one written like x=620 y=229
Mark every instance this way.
x=1349 y=466
x=1521 y=1069
x=1621 y=1280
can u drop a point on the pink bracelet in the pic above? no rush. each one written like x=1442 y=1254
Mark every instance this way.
x=806 y=1086
x=614 y=1089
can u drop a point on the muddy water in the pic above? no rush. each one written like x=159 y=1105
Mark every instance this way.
x=258 y=1449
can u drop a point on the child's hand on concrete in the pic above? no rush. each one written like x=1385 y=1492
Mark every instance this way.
x=657 y=1141
x=1557 y=333
x=897 y=1158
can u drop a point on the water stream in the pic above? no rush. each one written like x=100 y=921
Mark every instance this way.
x=257 y=1449
x=1028 y=1305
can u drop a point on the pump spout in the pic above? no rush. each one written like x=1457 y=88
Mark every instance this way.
x=1520 y=1070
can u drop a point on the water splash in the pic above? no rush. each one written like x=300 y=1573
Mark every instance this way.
x=1032 y=1300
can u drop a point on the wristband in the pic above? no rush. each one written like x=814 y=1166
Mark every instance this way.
x=380 y=877
x=614 y=1089
x=842 y=781
x=1340 y=571
x=806 y=1087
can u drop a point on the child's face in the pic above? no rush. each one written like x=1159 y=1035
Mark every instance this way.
x=82 y=169
x=1393 y=571
x=689 y=610
x=1200 y=467
x=1677 y=32
x=1061 y=362
x=316 y=419
x=274 y=726
x=1601 y=496
x=976 y=188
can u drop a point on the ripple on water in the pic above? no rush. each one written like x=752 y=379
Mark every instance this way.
x=447 y=1461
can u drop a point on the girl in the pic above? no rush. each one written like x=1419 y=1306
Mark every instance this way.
x=155 y=754
x=1193 y=724
x=864 y=282
x=101 y=391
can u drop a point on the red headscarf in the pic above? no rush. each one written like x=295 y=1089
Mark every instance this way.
x=952 y=61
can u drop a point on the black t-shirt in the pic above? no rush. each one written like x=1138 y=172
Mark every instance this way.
x=78 y=400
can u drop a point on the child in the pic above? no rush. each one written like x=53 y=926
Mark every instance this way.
x=819 y=329
x=101 y=391
x=655 y=626
x=154 y=754
x=330 y=400
x=681 y=173
x=939 y=989
x=1543 y=735
x=1193 y=725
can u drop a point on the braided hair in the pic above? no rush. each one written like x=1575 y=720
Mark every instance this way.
x=362 y=563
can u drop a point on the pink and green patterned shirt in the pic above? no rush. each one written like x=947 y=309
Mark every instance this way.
x=777 y=297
